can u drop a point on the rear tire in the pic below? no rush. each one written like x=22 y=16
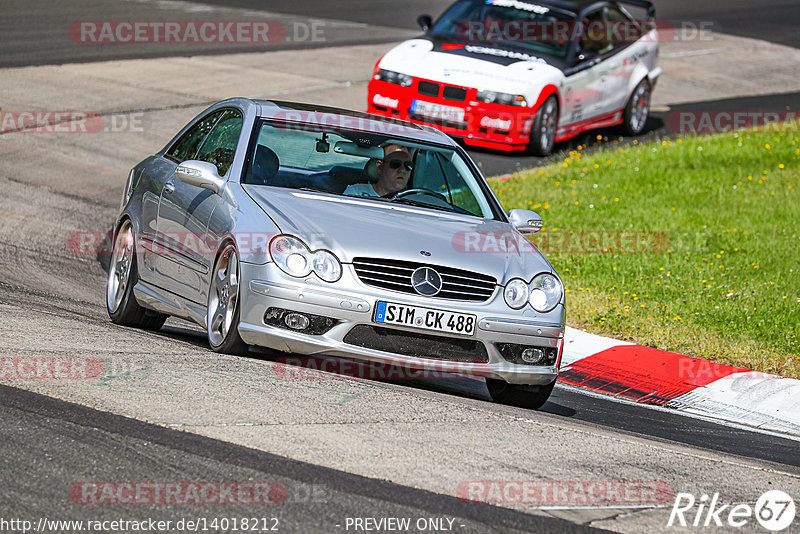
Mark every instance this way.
x=637 y=110
x=531 y=397
x=224 y=305
x=543 y=131
x=121 y=304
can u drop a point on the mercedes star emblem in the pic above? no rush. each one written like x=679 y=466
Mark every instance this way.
x=426 y=281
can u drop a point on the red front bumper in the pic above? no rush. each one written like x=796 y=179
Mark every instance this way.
x=495 y=126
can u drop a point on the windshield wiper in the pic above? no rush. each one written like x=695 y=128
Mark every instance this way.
x=423 y=204
x=406 y=201
x=313 y=190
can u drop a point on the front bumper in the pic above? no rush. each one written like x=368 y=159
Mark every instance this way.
x=352 y=303
x=495 y=126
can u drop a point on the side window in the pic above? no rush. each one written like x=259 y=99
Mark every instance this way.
x=596 y=40
x=186 y=147
x=428 y=173
x=435 y=172
x=220 y=145
x=624 y=30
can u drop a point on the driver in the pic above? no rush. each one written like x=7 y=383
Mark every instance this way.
x=394 y=170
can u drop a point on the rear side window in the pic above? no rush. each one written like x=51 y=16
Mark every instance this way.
x=186 y=147
x=220 y=145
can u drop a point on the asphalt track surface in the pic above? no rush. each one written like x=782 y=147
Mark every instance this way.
x=47 y=444
x=759 y=19
x=317 y=499
x=35 y=33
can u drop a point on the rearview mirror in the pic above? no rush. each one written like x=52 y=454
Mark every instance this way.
x=525 y=221
x=200 y=174
x=352 y=149
x=425 y=22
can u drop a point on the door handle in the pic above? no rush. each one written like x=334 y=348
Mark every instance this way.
x=169 y=187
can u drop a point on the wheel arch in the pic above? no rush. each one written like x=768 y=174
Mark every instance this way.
x=640 y=73
x=547 y=91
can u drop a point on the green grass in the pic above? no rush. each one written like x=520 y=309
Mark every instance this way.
x=709 y=261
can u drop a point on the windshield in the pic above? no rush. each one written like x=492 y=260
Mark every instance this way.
x=524 y=25
x=371 y=166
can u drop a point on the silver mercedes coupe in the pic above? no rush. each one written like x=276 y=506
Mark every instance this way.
x=320 y=231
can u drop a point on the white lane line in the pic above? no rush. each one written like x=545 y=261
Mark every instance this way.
x=764 y=401
x=693 y=415
x=701 y=52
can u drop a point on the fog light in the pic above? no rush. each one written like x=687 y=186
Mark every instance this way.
x=531 y=355
x=296 y=321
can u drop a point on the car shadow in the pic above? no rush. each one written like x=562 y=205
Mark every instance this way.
x=471 y=387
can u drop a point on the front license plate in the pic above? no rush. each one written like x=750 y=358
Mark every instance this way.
x=425 y=318
x=437 y=111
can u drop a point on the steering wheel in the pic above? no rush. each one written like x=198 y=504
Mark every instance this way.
x=420 y=191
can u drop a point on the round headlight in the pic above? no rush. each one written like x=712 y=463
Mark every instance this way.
x=516 y=293
x=291 y=255
x=327 y=266
x=546 y=292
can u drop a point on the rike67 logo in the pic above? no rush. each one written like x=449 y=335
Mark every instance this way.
x=774 y=510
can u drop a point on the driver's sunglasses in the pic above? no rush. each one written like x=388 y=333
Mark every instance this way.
x=396 y=163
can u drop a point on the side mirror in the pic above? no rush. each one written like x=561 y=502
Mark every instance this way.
x=200 y=174
x=525 y=221
x=425 y=22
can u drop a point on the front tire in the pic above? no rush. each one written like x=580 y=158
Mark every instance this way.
x=222 y=314
x=121 y=304
x=637 y=110
x=543 y=131
x=531 y=397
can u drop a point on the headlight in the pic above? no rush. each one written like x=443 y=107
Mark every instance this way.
x=327 y=266
x=546 y=292
x=293 y=257
x=394 y=77
x=516 y=293
x=494 y=97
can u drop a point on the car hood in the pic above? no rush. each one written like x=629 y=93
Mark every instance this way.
x=471 y=65
x=354 y=227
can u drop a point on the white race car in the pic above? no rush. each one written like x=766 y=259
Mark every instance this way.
x=516 y=75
